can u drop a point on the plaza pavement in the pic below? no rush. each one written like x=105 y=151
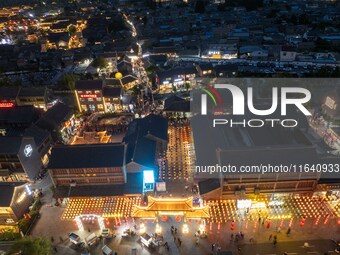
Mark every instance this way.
x=50 y=225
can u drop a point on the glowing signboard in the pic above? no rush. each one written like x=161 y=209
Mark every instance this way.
x=6 y=105
x=148 y=180
x=88 y=96
x=276 y=203
x=21 y=197
x=243 y=204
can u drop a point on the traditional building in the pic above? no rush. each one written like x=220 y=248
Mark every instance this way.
x=59 y=121
x=83 y=165
x=15 y=199
x=89 y=95
x=33 y=96
x=16 y=119
x=20 y=159
x=20 y=96
x=112 y=97
x=145 y=138
x=175 y=78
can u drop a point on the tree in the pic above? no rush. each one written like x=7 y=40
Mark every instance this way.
x=136 y=90
x=150 y=69
x=200 y=6
x=5 y=82
x=29 y=246
x=72 y=30
x=100 y=63
x=187 y=86
x=68 y=81
x=174 y=88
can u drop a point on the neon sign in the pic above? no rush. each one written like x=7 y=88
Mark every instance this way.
x=88 y=96
x=6 y=105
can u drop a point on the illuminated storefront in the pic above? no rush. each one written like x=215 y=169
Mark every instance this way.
x=20 y=159
x=15 y=199
x=89 y=95
x=69 y=129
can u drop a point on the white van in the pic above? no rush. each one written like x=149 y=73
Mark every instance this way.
x=91 y=239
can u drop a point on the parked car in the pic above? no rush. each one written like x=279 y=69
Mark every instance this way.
x=91 y=239
x=74 y=238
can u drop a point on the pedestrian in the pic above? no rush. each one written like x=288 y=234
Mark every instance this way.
x=270 y=237
x=231 y=237
x=175 y=239
x=61 y=239
x=179 y=241
x=197 y=242
x=52 y=239
x=212 y=247
x=288 y=231
x=55 y=249
x=242 y=235
x=175 y=231
x=275 y=242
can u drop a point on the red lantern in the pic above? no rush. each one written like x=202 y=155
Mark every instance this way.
x=164 y=218
x=152 y=221
x=145 y=221
x=302 y=223
x=268 y=224
x=197 y=221
x=232 y=225
x=189 y=220
x=178 y=218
